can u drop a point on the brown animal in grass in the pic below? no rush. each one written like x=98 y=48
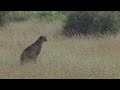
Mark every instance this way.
x=30 y=54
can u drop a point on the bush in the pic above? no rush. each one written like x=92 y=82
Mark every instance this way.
x=92 y=22
x=2 y=17
x=49 y=16
x=16 y=16
x=44 y=16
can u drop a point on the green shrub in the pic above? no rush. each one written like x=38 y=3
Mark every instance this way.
x=44 y=16
x=92 y=22
x=15 y=16
x=2 y=17
x=49 y=16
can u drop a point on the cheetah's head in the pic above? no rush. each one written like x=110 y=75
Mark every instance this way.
x=43 y=38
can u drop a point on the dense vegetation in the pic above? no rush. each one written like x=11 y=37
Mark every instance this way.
x=92 y=22
x=75 y=22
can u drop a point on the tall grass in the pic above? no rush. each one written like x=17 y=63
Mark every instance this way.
x=64 y=58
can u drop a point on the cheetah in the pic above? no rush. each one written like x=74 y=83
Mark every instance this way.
x=30 y=54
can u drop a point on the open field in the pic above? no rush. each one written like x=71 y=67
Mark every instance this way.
x=60 y=58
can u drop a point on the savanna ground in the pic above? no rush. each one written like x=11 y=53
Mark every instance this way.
x=60 y=58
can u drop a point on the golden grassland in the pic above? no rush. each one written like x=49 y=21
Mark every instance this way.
x=60 y=58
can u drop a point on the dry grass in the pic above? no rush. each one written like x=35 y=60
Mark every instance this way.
x=76 y=58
